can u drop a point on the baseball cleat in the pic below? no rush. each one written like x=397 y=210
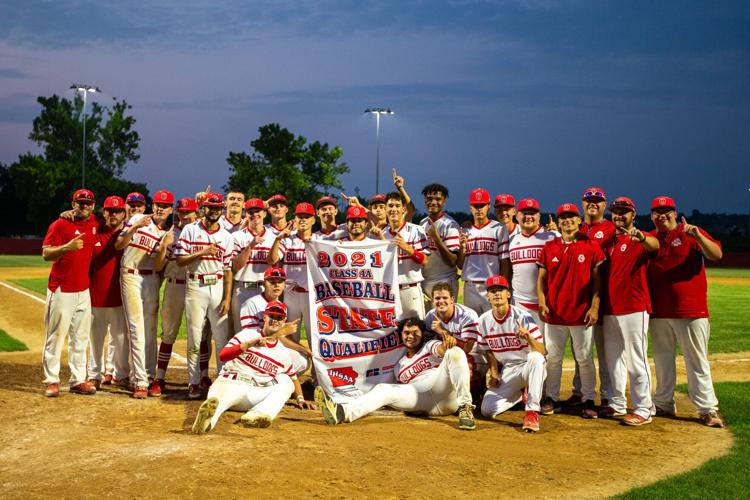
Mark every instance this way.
x=634 y=420
x=712 y=419
x=96 y=384
x=83 y=388
x=255 y=419
x=140 y=393
x=466 y=418
x=609 y=412
x=531 y=421
x=589 y=409
x=52 y=390
x=108 y=379
x=332 y=413
x=194 y=391
x=156 y=387
x=550 y=406
x=664 y=413
x=206 y=412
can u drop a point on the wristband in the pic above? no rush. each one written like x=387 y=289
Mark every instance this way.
x=418 y=257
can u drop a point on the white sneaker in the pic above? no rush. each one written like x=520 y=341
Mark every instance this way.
x=206 y=412
x=256 y=419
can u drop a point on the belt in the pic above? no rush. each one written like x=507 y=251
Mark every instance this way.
x=247 y=379
x=200 y=276
x=175 y=280
x=409 y=285
x=250 y=284
x=145 y=272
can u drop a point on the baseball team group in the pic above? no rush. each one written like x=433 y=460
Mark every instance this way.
x=241 y=283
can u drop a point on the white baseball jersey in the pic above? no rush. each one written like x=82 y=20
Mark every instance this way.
x=336 y=234
x=257 y=260
x=410 y=369
x=263 y=364
x=524 y=253
x=408 y=270
x=274 y=230
x=292 y=251
x=486 y=246
x=141 y=251
x=448 y=229
x=516 y=230
x=252 y=312
x=227 y=224
x=499 y=335
x=171 y=269
x=464 y=324
x=195 y=237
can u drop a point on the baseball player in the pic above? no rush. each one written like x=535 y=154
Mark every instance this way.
x=135 y=203
x=107 y=314
x=626 y=315
x=251 y=247
x=483 y=254
x=376 y=210
x=205 y=249
x=278 y=207
x=509 y=337
x=69 y=245
x=356 y=224
x=568 y=292
x=413 y=253
x=433 y=379
x=327 y=211
x=231 y=220
x=257 y=376
x=173 y=301
x=409 y=208
x=677 y=284
x=139 y=286
x=442 y=238
x=505 y=213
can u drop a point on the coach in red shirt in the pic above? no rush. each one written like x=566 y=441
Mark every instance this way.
x=69 y=244
x=677 y=283
x=568 y=288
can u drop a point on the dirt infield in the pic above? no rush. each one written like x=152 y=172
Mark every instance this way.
x=112 y=445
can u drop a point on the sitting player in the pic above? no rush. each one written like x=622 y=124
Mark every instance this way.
x=257 y=377
x=433 y=379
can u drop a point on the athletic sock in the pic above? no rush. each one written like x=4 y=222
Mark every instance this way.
x=205 y=356
x=165 y=353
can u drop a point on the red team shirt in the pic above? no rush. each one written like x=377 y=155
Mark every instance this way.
x=569 y=285
x=70 y=272
x=625 y=273
x=599 y=232
x=677 y=277
x=104 y=273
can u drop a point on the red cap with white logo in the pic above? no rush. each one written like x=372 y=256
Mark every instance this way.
x=325 y=200
x=356 y=212
x=213 y=200
x=114 y=202
x=304 y=208
x=528 y=204
x=505 y=199
x=275 y=307
x=274 y=272
x=479 y=197
x=84 y=195
x=663 y=202
x=277 y=198
x=255 y=203
x=187 y=205
x=164 y=196
x=622 y=202
x=568 y=208
x=497 y=281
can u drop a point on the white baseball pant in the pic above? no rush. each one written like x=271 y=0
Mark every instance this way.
x=582 y=337
x=441 y=392
x=513 y=379
x=605 y=385
x=475 y=297
x=140 y=299
x=108 y=320
x=241 y=396
x=298 y=308
x=67 y=315
x=692 y=335
x=626 y=346
x=537 y=319
x=172 y=309
x=412 y=301
x=203 y=302
x=242 y=291
x=427 y=289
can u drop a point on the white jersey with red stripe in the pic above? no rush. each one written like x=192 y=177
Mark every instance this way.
x=252 y=312
x=486 y=246
x=338 y=233
x=512 y=232
x=410 y=369
x=264 y=364
x=464 y=324
x=499 y=335
x=171 y=269
x=275 y=230
x=524 y=253
x=292 y=251
x=227 y=224
x=257 y=260
x=141 y=251
x=409 y=271
x=437 y=267
x=195 y=237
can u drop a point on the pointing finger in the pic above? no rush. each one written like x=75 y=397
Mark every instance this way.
x=208 y=188
x=684 y=222
x=393 y=171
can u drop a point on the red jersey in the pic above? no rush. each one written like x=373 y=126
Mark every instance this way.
x=104 y=273
x=569 y=285
x=677 y=277
x=599 y=232
x=71 y=271
x=625 y=273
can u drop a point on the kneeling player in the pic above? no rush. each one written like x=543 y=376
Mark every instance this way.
x=257 y=377
x=433 y=379
x=509 y=337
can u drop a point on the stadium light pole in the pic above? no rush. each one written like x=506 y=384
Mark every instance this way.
x=84 y=89
x=377 y=112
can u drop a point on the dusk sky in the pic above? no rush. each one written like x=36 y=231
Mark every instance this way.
x=532 y=97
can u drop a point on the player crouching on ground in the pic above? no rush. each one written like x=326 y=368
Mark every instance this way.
x=510 y=338
x=257 y=376
x=433 y=379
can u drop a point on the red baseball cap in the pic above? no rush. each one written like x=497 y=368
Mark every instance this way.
x=164 y=196
x=568 y=208
x=278 y=198
x=274 y=272
x=378 y=198
x=135 y=198
x=325 y=200
x=663 y=202
x=479 y=197
x=528 y=204
x=594 y=192
x=255 y=203
x=497 y=281
x=275 y=307
x=505 y=199
x=622 y=202
x=304 y=208
x=187 y=205
x=356 y=212
x=84 y=195
x=114 y=202
x=213 y=200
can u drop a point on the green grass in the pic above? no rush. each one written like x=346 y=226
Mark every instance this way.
x=23 y=261
x=724 y=477
x=9 y=344
x=727 y=272
x=729 y=307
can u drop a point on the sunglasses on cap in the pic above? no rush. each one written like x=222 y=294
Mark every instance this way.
x=276 y=316
x=593 y=194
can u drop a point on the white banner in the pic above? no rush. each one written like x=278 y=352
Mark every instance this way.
x=354 y=306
